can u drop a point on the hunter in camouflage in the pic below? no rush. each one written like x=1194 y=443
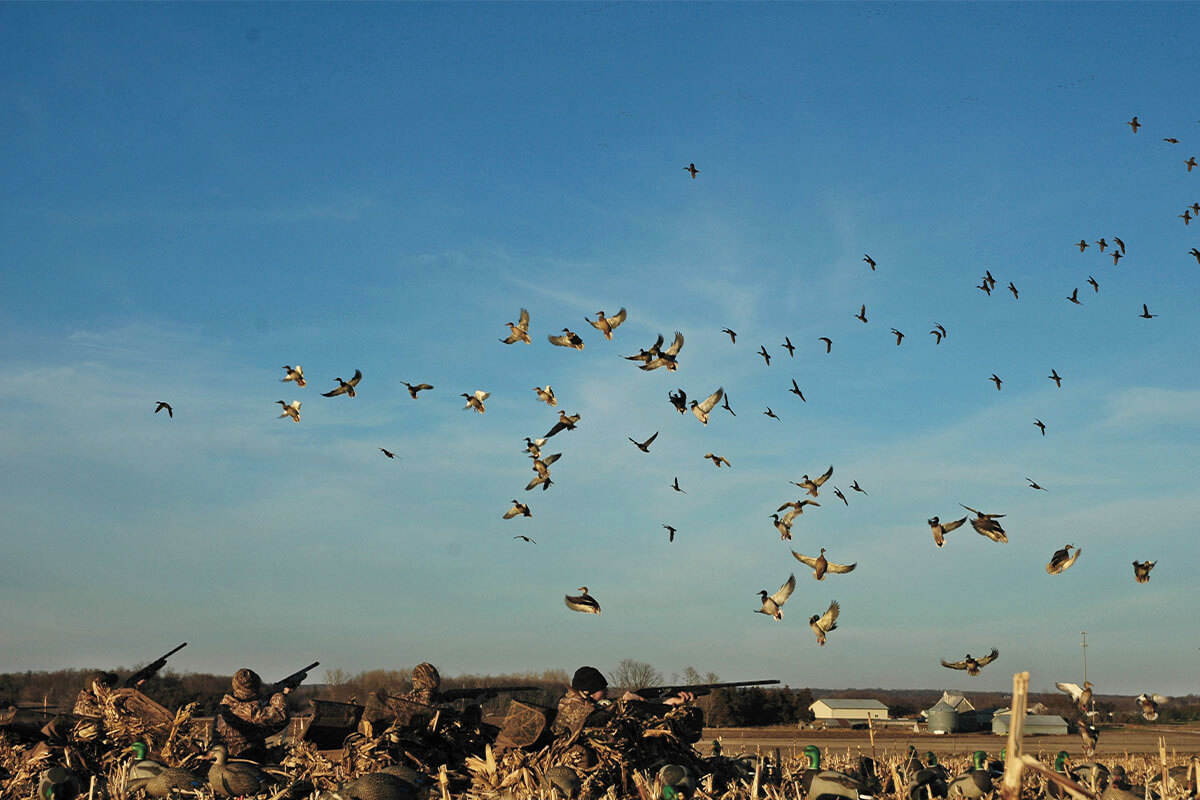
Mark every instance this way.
x=245 y=719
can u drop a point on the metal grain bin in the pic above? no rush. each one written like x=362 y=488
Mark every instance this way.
x=943 y=718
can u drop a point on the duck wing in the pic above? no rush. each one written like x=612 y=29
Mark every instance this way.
x=711 y=401
x=785 y=591
x=1073 y=689
x=989 y=658
x=803 y=559
x=828 y=620
x=839 y=568
x=676 y=345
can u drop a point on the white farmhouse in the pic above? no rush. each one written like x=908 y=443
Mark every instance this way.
x=848 y=708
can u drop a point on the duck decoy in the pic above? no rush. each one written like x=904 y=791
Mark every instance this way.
x=142 y=767
x=518 y=331
x=296 y=374
x=826 y=783
x=583 y=602
x=375 y=786
x=234 y=778
x=821 y=565
x=58 y=783
x=345 y=387
x=606 y=325
x=772 y=605
x=676 y=780
x=167 y=783
x=974 y=783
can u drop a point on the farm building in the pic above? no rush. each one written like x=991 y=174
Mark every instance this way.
x=848 y=708
x=1034 y=724
x=955 y=714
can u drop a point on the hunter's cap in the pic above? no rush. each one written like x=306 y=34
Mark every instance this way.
x=246 y=684
x=588 y=680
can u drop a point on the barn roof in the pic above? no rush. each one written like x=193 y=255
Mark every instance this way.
x=848 y=702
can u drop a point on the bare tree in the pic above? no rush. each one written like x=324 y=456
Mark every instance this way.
x=631 y=674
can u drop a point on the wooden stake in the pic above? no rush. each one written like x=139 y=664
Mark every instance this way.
x=1010 y=787
x=757 y=773
x=1162 y=758
x=871 y=731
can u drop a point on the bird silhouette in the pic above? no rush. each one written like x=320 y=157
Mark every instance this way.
x=787 y=345
x=1074 y=296
x=1082 y=245
x=670 y=533
x=725 y=404
x=862 y=313
x=566 y=422
x=1146 y=313
x=1101 y=243
x=1116 y=255
x=718 y=460
x=414 y=390
x=796 y=390
x=387 y=452
x=828 y=343
x=1054 y=376
x=973 y=665
x=1119 y=243
x=838 y=494
x=345 y=387
x=643 y=446
x=899 y=336
x=770 y=413
x=692 y=169
x=857 y=488
x=518 y=509
x=1134 y=124
x=762 y=351
x=1191 y=162
x=996 y=381
x=675 y=485
x=870 y=261
x=1195 y=253
x=1013 y=289
x=702 y=410
x=583 y=602
x=1095 y=286
x=678 y=400
x=1035 y=485
x=161 y=405
x=524 y=538
x=1040 y=425
x=732 y=335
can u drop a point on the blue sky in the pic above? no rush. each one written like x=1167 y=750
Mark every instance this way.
x=194 y=195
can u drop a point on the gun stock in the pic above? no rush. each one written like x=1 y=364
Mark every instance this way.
x=294 y=680
x=147 y=672
x=698 y=689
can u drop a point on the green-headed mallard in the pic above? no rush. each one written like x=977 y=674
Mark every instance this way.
x=702 y=410
x=142 y=767
x=826 y=622
x=940 y=529
x=58 y=783
x=817 y=782
x=972 y=665
x=292 y=410
x=475 y=400
x=546 y=395
x=772 y=605
x=345 y=387
x=296 y=374
x=568 y=338
x=375 y=786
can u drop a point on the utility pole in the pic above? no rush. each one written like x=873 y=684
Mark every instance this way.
x=1083 y=645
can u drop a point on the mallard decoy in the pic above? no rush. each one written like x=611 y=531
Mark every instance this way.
x=568 y=338
x=1141 y=571
x=826 y=622
x=678 y=400
x=345 y=387
x=566 y=422
x=161 y=405
x=665 y=358
x=546 y=395
x=1090 y=775
x=374 y=786
x=167 y=782
x=413 y=390
x=813 y=485
x=564 y=780
x=972 y=665
x=643 y=446
x=518 y=509
x=518 y=331
x=583 y=602
x=292 y=410
x=692 y=169
x=475 y=401
x=1080 y=695
x=818 y=783
x=718 y=460
x=676 y=781
x=58 y=783
x=772 y=605
x=986 y=525
x=296 y=374
x=702 y=410
x=974 y=783
x=607 y=325
x=820 y=565
x=234 y=778
x=1149 y=705
x=1062 y=559
x=142 y=767
x=940 y=529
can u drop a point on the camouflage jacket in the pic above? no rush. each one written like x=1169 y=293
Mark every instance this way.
x=577 y=711
x=87 y=705
x=245 y=724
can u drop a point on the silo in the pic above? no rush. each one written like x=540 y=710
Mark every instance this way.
x=943 y=718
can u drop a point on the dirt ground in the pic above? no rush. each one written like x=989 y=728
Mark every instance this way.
x=1113 y=741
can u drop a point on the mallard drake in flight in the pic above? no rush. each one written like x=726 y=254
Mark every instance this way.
x=1141 y=571
x=1074 y=296
x=1191 y=162
x=1149 y=705
x=870 y=261
x=1080 y=695
x=518 y=331
x=675 y=485
x=783 y=526
x=820 y=565
x=857 y=488
x=796 y=391
x=167 y=406
x=1035 y=485
x=1195 y=253
x=772 y=605
x=546 y=395
x=518 y=509
x=566 y=422
x=825 y=623
x=797 y=508
x=692 y=169
x=296 y=374
x=1062 y=559
x=606 y=325
x=814 y=484
x=1134 y=124
x=940 y=529
x=972 y=665
x=583 y=602
x=534 y=446
x=771 y=413
x=1146 y=313
x=787 y=345
x=475 y=401
x=1091 y=737
x=524 y=538
x=702 y=410
x=292 y=410
x=1012 y=288
x=1095 y=286
x=838 y=494
x=413 y=390
x=718 y=460
x=665 y=358
x=988 y=279
x=1120 y=244
x=861 y=316
x=1117 y=255
x=762 y=351
x=678 y=400
x=986 y=525
x=732 y=335
x=996 y=380
x=1082 y=245
x=234 y=778
x=1040 y=426
x=345 y=387
x=986 y=288
x=643 y=446
x=568 y=338
x=725 y=405
x=1054 y=376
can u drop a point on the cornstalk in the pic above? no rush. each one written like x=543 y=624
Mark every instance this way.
x=1010 y=787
